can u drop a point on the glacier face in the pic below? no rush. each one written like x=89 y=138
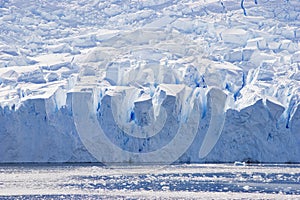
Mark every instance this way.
x=149 y=81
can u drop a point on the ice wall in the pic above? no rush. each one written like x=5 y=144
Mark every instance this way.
x=32 y=134
x=39 y=132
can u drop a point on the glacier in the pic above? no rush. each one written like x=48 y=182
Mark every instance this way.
x=157 y=81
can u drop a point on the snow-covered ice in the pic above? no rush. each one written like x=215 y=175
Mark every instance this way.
x=154 y=81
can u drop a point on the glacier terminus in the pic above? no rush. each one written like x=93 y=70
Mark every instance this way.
x=149 y=82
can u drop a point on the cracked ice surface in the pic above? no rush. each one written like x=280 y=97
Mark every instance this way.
x=151 y=74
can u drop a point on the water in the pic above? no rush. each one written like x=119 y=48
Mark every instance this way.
x=199 y=181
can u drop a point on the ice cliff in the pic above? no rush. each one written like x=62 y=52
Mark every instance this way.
x=149 y=81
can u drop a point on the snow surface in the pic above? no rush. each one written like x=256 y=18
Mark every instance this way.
x=149 y=81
